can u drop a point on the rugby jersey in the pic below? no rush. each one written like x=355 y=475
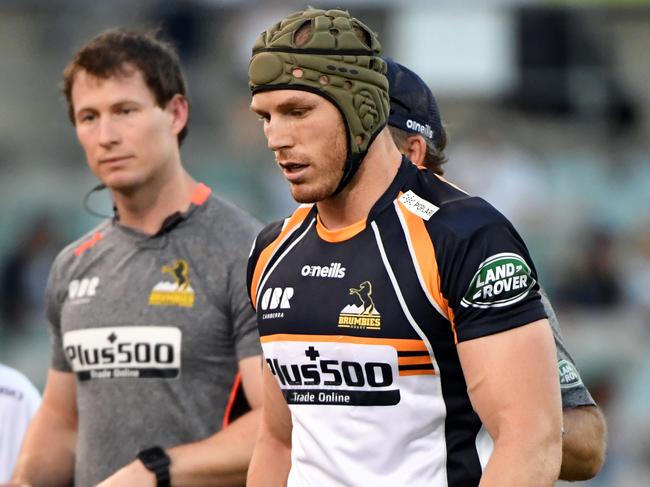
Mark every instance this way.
x=359 y=326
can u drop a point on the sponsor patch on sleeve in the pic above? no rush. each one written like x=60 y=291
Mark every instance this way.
x=569 y=376
x=501 y=280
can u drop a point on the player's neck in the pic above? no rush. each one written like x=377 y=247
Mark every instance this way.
x=373 y=178
x=147 y=208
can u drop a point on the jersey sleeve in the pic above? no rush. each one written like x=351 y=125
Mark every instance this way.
x=486 y=273
x=55 y=296
x=574 y=392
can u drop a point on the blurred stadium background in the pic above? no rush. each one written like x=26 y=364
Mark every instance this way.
x=547 y=104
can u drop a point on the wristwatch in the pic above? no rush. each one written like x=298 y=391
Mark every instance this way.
x=156 y=460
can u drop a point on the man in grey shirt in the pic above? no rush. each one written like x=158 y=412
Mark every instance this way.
x=152 y=332
x=416 y=128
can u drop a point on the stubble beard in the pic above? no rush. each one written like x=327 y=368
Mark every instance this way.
x=331 y=172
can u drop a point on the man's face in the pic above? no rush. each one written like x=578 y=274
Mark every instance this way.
x=307 y=135
x=128 y=139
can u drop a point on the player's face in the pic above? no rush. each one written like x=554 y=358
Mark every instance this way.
x=128 y=139
x=307 y=135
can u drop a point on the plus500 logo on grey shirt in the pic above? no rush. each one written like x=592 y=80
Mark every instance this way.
x=124 y=352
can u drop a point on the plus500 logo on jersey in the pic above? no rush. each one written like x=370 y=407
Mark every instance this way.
x=124 y=352
x=311 y=374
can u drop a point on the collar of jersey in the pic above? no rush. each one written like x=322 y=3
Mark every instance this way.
x=340 y=234
x=200 y=195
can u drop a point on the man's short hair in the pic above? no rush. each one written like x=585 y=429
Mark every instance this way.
x=116 y=51
x=414 y=111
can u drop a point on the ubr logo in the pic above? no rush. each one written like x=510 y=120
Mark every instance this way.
x=277 y=298
x=83 y=288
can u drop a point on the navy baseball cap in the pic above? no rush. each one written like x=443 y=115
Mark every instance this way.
x=412 y=105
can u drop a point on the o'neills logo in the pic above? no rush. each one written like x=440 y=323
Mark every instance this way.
x=178 y=293
x=335 y=270
x=501 y=280
x=418 y=127
x=363 y=315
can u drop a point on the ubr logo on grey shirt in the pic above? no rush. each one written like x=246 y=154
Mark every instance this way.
x=124 y=352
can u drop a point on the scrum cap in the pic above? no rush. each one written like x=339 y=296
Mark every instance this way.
x=334 y=63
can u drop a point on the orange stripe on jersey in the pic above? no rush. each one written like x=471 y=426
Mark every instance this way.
x=294 y=222
x=201 y=194
x=425 y=256
x=423 y=360
x=417 y=372
x=88 y=244
x=341 y=234
x=231 y=400
x=400 y=344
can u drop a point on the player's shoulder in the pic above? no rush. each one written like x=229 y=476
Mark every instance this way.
x=219 y=214
x=79 y=248
x=279 y=229
x=452 y=209
x=13 y=382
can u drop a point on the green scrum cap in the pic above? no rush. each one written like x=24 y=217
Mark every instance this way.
x=334 y=63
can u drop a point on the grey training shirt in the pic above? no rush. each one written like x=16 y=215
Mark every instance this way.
x=574 y=392
x=153 y=328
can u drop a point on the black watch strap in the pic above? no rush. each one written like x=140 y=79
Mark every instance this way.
x=157 y=460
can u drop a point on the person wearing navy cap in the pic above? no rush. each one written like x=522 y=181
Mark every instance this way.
x=417 y=130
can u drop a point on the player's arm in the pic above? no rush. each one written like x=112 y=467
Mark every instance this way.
x=584 y=443
x=272 y=456
x=47 y=455
x=584 y=440
x=219 y=460
x=513 y=385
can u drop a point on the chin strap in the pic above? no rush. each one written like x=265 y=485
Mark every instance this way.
x=353 y=163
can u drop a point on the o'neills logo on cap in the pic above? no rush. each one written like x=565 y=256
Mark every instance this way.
x=420 y=128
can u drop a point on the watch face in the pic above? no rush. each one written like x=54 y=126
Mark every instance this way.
x=152 y=455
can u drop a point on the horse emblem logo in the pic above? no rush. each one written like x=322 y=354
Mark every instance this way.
x=176 y=293
x=364 y=314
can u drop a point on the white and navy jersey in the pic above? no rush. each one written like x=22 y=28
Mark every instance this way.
x=360 y=326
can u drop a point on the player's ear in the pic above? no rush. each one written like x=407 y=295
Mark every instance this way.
x=416 y=149
x=179 y=109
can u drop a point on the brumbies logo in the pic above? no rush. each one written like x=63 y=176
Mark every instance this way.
x=364 y=315
x=501 y=280
x=178 y=293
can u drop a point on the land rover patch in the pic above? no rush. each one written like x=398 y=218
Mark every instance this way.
x=501 y=279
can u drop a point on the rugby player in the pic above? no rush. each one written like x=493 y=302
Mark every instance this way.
x=152 y=332
x=416 y=128
x=403 y=332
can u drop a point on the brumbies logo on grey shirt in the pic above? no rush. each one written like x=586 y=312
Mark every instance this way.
x=177 y=293
x=124 y=352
